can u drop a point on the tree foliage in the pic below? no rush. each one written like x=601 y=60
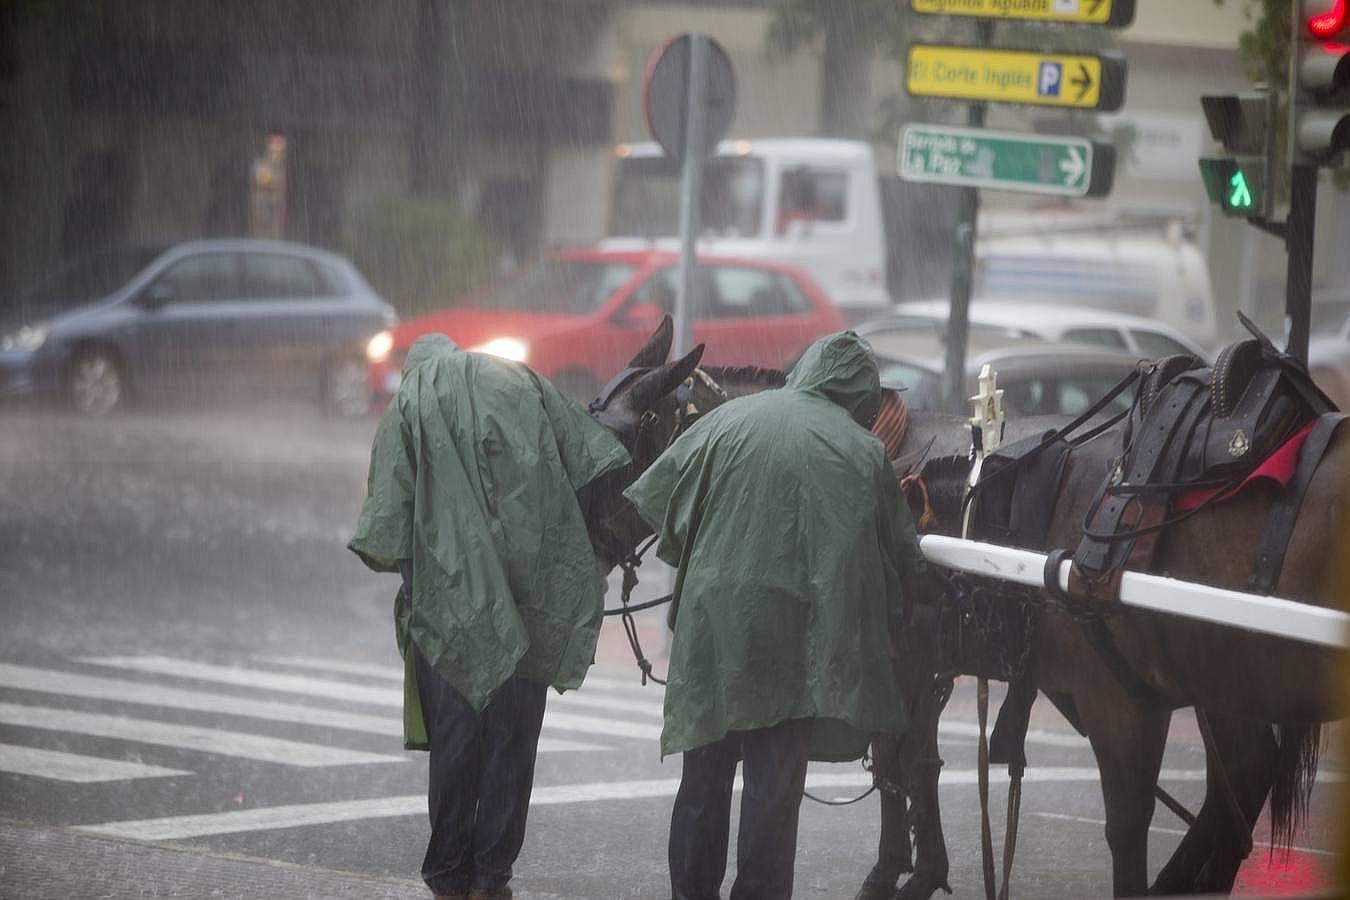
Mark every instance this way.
x=421 y=253
x=1264 y=47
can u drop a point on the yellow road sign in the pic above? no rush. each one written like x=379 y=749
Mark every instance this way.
x=1112 y=13
x=1004 y=76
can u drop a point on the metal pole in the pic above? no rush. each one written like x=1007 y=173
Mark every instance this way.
x=963 y=267
x=691 y=186
x=1299 y=243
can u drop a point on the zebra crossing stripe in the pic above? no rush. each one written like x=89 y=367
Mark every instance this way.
x=366 y=670
x=555 y=716
x=69 y=684
x=252 y=678
x=173 y=828
x=596 y=679
x=186 y=737
x=72 y=767
x=579 y=698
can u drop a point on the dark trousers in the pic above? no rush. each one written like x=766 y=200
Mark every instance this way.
x=481 y=775
x=766 y=848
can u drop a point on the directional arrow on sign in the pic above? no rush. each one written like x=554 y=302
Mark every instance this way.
x=1073 y=166
x=1083 y=82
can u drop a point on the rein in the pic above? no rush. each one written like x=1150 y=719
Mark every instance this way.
x=686 y=413
x=626 y=610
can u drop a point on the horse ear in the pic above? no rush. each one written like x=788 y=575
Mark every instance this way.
x=657 y=348
x=659 y=382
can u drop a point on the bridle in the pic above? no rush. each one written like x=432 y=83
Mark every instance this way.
x=641 y=439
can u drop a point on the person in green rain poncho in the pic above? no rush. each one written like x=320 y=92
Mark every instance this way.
x=472 y=497
x=791 y=538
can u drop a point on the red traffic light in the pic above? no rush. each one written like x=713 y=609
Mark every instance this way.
x=1331 y=20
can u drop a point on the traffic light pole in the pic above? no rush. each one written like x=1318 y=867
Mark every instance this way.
x=1298 y=239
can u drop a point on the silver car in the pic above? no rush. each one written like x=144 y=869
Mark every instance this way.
x=242 y=318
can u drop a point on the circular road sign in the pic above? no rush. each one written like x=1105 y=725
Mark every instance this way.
x=666 y=89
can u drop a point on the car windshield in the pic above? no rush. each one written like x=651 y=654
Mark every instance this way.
x=647 y=198
x=90 y=277
x=564 y=287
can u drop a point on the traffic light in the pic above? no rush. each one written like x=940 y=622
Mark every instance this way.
x=1241 y=184
x=1320 y=125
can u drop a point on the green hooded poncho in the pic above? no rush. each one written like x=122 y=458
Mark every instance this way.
x=473 y=475
x=791 y=537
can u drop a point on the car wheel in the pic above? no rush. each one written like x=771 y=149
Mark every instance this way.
x=346 y=389
x=578 y=384
x=94 y=382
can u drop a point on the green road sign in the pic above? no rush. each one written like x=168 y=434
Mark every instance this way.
x=1006 y=161
x=1074 y=80
x=1112 y=13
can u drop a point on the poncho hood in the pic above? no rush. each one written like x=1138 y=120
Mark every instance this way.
x=426 y=348
x=840 y=367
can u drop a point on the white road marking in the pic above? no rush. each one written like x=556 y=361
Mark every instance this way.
x=54 y=681
x=252 y=678
x=593 y=682
x=186 y=737
x=1154 y=828
x=72 y=767
x=595 y=725
x=583 y=700
x=318 y=687
x=294 y=816
x=94 y=687
x=367 y=670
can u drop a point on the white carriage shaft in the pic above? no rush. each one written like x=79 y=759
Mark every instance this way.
x=1254 y=612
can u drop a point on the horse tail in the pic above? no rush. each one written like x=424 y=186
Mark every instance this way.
x=1295 y=773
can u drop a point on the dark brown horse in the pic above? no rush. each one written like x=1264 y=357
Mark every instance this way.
x=1180 y=663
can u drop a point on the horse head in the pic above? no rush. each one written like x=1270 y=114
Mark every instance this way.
x=640 y=407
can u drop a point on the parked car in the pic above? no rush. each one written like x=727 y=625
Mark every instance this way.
x=577 y=316
x=200 y=317
x=1037 y=377
x=1147 y=338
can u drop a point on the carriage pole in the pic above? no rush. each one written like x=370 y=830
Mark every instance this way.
x=1141 y=590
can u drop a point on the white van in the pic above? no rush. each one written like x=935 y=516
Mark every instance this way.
x=813 y=202
x=1152 y=272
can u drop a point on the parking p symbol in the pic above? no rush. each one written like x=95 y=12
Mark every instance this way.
x=1047 y=85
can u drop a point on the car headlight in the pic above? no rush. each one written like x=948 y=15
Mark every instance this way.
x=378 y=347
x=27 y=338
x=506 y=348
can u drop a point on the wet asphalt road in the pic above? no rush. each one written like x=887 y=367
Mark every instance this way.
x=202 y=551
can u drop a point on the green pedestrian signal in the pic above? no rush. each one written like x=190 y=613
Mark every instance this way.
x=1239 y=197
x=1238 y=189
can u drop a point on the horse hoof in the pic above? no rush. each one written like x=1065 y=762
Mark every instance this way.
x=917 y=887
x=876 y=886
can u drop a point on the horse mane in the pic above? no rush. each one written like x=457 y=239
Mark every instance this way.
x=945 y=477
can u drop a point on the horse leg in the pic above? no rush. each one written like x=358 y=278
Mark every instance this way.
x=894 y=851
x=919 y=755
x=1244 y=755
x=1128 y=739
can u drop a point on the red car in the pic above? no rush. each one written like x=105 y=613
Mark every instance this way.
x=578 y=316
